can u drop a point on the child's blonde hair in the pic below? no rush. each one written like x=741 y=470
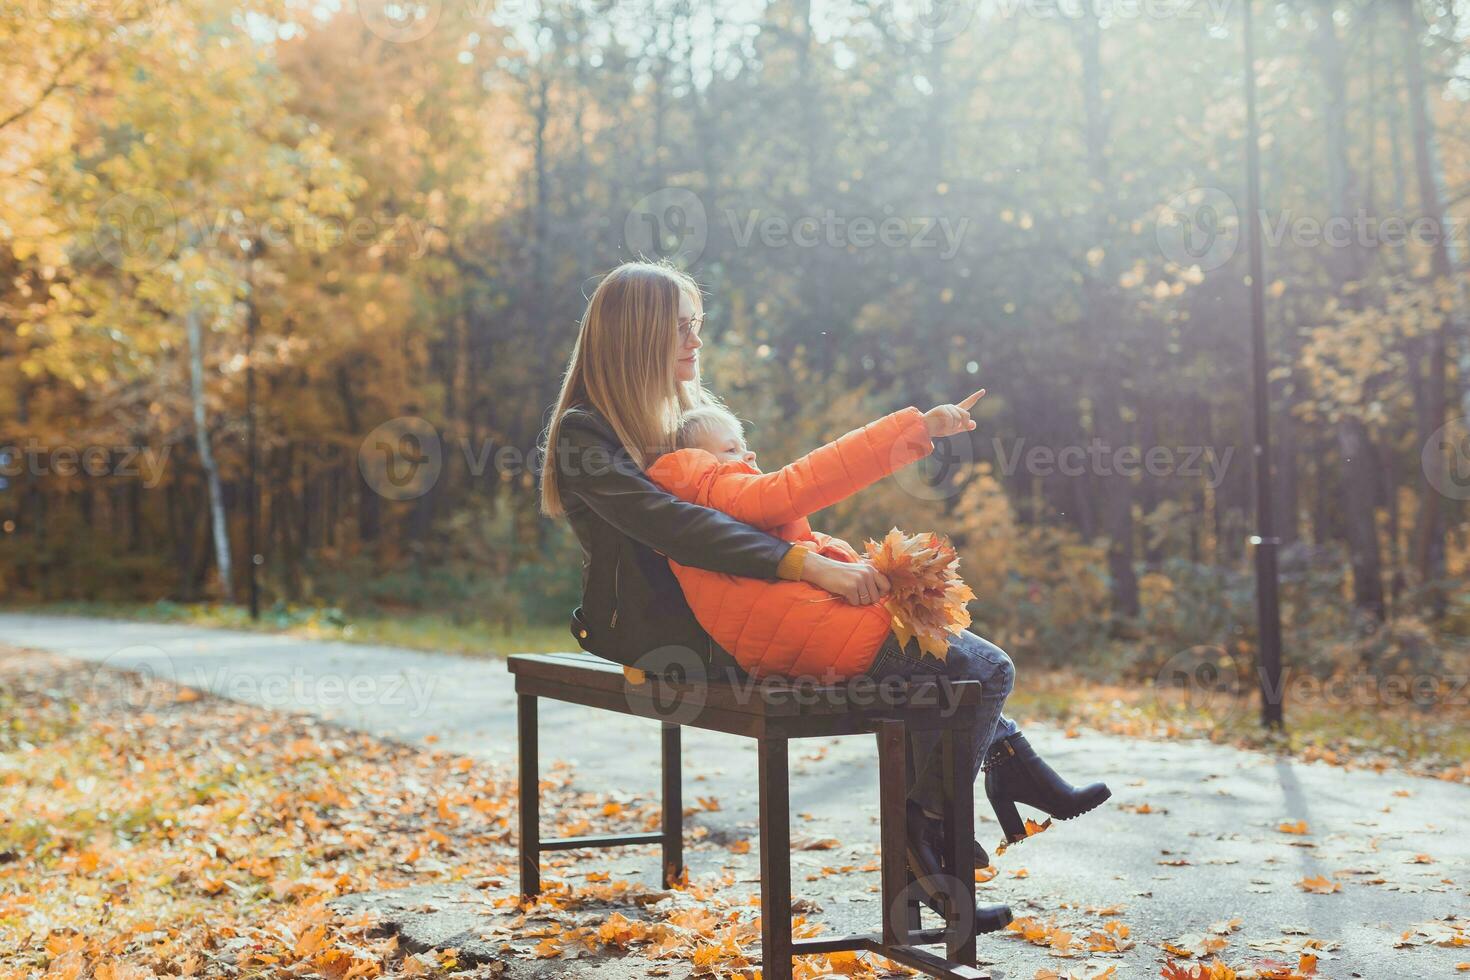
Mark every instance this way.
x=699 y=422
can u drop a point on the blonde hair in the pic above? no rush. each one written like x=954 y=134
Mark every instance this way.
x=699 y=422
x=624 y=364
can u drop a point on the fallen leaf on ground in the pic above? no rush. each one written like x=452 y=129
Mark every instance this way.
x=1320 y=885
x=1195 y=944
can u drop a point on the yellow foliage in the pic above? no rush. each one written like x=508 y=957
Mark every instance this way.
x=1355 y=360
x=986 y=522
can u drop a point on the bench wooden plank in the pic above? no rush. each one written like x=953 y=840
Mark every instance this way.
x=734 y=721
x=767 y=698
x=600 y=840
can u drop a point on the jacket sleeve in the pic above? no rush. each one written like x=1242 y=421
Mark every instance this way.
x=598 y=471
x=834 y=548
x=824 y=476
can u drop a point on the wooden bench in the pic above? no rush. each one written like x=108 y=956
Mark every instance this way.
x=773 y=713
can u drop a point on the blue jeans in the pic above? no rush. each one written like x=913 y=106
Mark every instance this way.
x=969 y=658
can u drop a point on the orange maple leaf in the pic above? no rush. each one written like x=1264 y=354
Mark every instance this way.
x=1320 y=885
x=927 y=599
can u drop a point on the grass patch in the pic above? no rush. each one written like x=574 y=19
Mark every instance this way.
x=1428 y=741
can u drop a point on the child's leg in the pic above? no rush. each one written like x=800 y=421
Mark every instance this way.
x=969 y=658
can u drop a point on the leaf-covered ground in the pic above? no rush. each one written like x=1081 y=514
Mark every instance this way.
x=155 y=831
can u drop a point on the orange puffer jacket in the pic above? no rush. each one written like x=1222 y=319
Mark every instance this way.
x=791 y=629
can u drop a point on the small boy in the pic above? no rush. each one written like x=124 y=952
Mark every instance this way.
x=784 y=628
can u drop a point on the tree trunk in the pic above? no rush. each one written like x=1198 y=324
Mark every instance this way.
x=1429 y=532
x=1288 y=478
x=1149 y=492
x=1359 y=474
x=368 y=504
x=218 y=523
x=1101 y=320
x=1359 y=483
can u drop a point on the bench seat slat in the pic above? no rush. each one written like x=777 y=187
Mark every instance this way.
x=768 y=697
x=599 y=840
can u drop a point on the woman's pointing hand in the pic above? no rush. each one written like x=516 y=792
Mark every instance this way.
x=948 y=420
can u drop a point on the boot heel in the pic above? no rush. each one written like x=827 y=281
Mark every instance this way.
x=1010 y=820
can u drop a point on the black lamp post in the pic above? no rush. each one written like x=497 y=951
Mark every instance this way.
x=1268 y=608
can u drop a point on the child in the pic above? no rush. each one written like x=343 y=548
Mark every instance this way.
x=784 y=628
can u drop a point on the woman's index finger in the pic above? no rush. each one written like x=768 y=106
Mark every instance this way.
x=969 y=402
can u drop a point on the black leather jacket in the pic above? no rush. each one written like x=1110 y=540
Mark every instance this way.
x=633 y=610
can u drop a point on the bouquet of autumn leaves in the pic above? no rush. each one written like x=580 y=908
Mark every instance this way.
x=927 y=597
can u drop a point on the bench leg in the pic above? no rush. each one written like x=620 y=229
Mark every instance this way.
x=958 y=748
x=914 y=911
x=775 y=817
x=673 y=823
x=530 y=791
x=900 y=906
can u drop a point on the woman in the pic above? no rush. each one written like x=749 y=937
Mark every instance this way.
x=633 y=370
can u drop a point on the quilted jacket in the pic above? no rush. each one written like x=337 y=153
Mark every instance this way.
x=791 y=629
x=633 y=609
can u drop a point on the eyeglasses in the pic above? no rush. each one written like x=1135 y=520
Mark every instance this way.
x=690 y=327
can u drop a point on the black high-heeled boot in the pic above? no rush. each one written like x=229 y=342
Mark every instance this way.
x=1014 y=773
x=925 y=849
